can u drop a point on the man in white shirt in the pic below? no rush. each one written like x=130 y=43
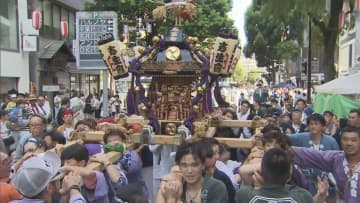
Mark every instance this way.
x=42 y=107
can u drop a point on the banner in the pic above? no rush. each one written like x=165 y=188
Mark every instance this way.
x=114 y=58
x=223 y=56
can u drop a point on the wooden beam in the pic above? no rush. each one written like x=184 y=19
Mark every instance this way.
x=167 y=139
x=238 y=124
x=237 y=142
x=219 y=123
x=92 y=136
x=59 y=148
x=111 y=156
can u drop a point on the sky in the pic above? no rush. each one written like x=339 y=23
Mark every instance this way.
x=238 y=14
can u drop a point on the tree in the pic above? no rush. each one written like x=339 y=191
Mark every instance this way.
x=239 y=74
x=253 y=75
x=271 y=37
x=210 y=20
x=326 y=22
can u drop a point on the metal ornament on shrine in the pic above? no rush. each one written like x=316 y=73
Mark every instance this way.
x=184 y=76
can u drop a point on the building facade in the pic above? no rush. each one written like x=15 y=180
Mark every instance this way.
x=52 y=65
x=14 y=62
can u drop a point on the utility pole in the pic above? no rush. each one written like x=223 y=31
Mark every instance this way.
x=309 y=65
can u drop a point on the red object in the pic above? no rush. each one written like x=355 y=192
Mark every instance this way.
x=341 y=19
x=67 y=112
x=185 y=15
x=64 y=28
x=36 y=19
x=106 y=120
x=357 y=5
x=136 y=127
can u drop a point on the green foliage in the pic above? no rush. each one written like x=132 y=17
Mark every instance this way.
x=211 y=19
x=270 y=36
x=253 y=75
x=287 y=50
x=239 y=74
x=325 y=21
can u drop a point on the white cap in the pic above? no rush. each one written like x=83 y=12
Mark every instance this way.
x=36 y=173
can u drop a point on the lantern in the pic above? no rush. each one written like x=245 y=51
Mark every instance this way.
x=64 y=29
x=36 y=19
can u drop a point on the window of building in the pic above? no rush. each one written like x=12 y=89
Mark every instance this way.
x=64 y=14
x=9 y=25
x=34 y=5
x=71 y=26
x=56 y=21
x=46 y=28
x=350 y=56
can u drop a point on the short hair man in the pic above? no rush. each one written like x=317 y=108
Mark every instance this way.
x=315 y=139
x=38 y=178
x=130 y=161
x=75 y=158
x=37 y=125
x=354 y=118
x=276 y=170
x=344 y=165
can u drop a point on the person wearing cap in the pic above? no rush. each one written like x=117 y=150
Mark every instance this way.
x=8 y=191
x=12 y=101
x=68 y=126
x=38 y=179
x=94 y=189
x=315 y=139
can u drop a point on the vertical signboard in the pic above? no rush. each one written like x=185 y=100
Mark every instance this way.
x=89 y=27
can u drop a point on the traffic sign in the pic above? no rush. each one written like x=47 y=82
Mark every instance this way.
x=89 y=27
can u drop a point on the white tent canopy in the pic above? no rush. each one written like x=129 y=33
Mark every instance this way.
x=349 y=84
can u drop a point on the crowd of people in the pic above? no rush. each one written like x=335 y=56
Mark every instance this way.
x=300 y=156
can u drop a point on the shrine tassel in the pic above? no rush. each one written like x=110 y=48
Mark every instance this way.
x=207 y=102
x=189 y=122
x=130 y=99
x=218 y=97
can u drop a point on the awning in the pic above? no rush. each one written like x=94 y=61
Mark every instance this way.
x=50 y=49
